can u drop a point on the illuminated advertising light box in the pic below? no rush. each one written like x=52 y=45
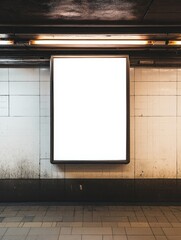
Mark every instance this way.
x=89 y=109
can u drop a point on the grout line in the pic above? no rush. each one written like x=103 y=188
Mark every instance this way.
x=134 y=133
x=8 y=95
x=39 y=129
x=177 y=126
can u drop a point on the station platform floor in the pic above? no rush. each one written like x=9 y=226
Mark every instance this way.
x=27 y=221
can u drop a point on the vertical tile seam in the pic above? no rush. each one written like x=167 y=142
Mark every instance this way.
x=39 y=130
x=134 y=129
x=8 y=95
x=176 y=124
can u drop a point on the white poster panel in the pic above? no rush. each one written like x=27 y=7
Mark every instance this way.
x=89 y=116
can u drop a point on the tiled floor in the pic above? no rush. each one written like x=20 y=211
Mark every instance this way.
x=54 y=222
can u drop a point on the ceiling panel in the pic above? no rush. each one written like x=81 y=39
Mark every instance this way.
x=164 y=12
x=59 y=11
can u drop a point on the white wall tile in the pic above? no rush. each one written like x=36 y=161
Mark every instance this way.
x=155 y=105
x=132 y=74
x=132 y=138
x=3 y=88
x=132 y=88
x=3 y=106
x=179 y=106
x=24 y=74
x=155 y=147
x=44 y=106
x=44 y=88
x=179 y=147
x=155 y=74
x=45 y=74
x=24 y=88
x=155 y=88
x=3 y=74
x=179 y=74
x=167 y=74
x=132 y=106
x=19 y=148
x=147 y=74
x=45 y=137
x=178 y=88
x=24 y=106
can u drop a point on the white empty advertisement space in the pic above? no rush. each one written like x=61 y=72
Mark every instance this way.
x=89 y=109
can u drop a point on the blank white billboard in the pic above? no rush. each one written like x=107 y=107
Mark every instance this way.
x=89 y=109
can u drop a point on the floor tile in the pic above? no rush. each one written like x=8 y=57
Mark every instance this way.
x=93 y=230
x=90 y=237
x=14 y=237
x=70 y=237
x=172 y=231
x=139 y=231
x=42 y=237
x=17 y=231
x=161 y=238
x=141 y=238
x=119 y=237
x=65 y=230
x=44 y=231
x=157 y=231
x=28 y=222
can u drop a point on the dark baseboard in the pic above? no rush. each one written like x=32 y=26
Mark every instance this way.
x=91 y=190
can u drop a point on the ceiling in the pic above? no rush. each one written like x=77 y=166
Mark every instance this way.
x=90 y=11
x=22 y=21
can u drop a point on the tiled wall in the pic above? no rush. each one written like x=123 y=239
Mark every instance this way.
x=155 y=122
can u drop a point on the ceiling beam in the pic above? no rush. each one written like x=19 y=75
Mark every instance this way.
x=89 y=29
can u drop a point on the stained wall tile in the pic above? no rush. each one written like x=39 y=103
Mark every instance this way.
x=49 y=170
x=19 y=148
x=155 y=147
x=45 y=137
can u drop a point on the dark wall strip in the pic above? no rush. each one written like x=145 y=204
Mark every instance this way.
x=91 y=190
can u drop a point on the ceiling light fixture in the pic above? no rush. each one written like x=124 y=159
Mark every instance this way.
x=6 y=42
x=174 y=42
x=90 y=42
